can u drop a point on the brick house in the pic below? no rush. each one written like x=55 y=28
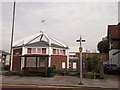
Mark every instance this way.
x=74 y=58
x=114 y=44
x=40 y=50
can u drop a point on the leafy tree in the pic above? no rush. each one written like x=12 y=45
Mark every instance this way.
x=93 y=63
x=103 y=46
x=89 y=59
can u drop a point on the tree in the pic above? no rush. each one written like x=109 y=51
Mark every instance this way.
x=119 y=23
x=93 y=63
x=103 y=46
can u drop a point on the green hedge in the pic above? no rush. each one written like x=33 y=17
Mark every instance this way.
x=12 y=73
x=91 y=75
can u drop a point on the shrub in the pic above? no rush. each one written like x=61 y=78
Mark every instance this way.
x=91 y=75
x=6 y=67
x=13 y=73
x=72 y=74
x=58 y=72
x=88 y=75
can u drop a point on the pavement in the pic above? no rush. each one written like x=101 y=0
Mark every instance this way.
x=110 y=81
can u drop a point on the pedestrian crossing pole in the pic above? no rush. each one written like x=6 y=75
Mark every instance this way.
x=80 y=49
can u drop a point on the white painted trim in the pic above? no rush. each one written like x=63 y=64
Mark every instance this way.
x=58 y=41
x=49 y=49
x=63 y=65
x=67 y=53
x=11 y=60
x=49 y=61
x=23 y=50
x=22 y=62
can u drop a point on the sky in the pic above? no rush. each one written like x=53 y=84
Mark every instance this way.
x=64 y=20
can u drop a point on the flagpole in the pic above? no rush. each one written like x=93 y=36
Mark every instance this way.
x=42 y=22
x=12 y=33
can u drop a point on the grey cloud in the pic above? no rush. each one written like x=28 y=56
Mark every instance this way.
x=64 y=20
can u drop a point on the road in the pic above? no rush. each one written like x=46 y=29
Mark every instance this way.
x=40 y=87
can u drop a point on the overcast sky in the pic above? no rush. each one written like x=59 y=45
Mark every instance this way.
x=64 y=20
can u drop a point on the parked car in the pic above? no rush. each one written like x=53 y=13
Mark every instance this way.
x=111 y=69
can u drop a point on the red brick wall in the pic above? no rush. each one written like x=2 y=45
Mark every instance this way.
x=16 y=65
x=57 y=61
x=102 y=56
x=71 y=65
x=85 y=68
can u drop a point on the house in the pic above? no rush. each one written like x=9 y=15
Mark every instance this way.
x=40 y=50
x=114 y=44
x=4 y=58
x=74 y=59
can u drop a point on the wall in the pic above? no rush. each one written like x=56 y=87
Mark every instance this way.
x=16 y=63
x=114 y=59
x=76 y=55
x=85 y=65
x=57 y=61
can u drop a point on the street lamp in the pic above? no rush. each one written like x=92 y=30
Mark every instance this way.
x=80 y=49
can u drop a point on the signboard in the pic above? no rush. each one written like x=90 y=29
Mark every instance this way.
x=80 y=49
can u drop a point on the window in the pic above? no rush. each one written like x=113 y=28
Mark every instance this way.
x=63 y=65
x=39 y=50
x=33 y=50
x=42 y=63
x=29 y=50
x=43 y=50
x=74 y=65
x=57 y=51
x=61 y=51
x=54 y=51
x=64 y=52
x=31 y=62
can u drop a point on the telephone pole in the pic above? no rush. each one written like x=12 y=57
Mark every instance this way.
x=13 y=20
x=80 y=49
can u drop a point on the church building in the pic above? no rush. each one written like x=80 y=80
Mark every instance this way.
x=39 y=51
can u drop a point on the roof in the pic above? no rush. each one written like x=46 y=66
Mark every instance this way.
x=3 y=52
x=40 y=40
x=43 y=44
x=114 y=31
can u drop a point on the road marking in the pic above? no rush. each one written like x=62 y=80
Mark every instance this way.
x=39 y=86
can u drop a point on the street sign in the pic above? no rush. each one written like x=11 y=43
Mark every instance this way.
x=80 y=49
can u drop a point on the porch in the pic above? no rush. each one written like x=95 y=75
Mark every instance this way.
x=35 y=64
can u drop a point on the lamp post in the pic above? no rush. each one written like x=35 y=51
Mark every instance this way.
x=80 y=49
x=13 y=20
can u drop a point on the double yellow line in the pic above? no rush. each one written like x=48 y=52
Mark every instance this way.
x=36 y=86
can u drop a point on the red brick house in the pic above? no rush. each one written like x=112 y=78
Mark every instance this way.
x=74 y=58
x=114 y=44
x=40 y=50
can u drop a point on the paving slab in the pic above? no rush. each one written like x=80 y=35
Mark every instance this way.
x=110 y=81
